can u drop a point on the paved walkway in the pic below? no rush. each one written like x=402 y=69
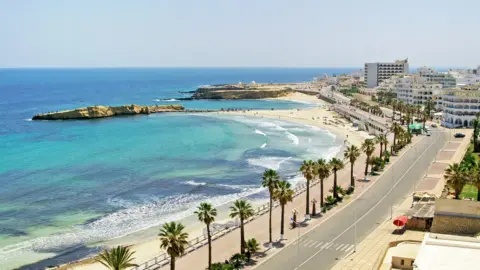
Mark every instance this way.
x=229 y=244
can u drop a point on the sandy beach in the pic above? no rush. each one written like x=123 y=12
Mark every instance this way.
x=320 y=117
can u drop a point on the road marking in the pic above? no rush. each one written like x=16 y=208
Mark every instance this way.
x=319 y=244
x=371 y=209
x=306 y=243
x=313 y=244
x=349 y=248
x=324 y=246
x=339 y=247
x=329 y=245
x=345 y=247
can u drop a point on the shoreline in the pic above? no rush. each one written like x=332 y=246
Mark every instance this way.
x=147 y=248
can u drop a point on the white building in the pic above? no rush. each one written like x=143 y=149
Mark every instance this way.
x=375 y=73
x=445 y=79
x=460 y=106
x=466 y=76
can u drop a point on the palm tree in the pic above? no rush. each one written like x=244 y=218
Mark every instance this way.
x=336 y=164
x=395 y=128
x=352 y=153
x=252 y=246
x=394 y=106
x=382 y=140
x=118 y=258
x=283 y=194
x=243 y=210
x=206 y=214
x=174 y=240
x=476 y=132
x=368 y=146
x=308 y=171
x=456 y=178
x=270 y=180
x=323 y=172
x=401 y=108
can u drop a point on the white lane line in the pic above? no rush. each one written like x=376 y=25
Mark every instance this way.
x=324 y=246
x=313 y=244
x=329 y=246
x=306 y=243
x=345 y=247
x=319 y=244
x=375 y=206
x=339 y=247
x=349 y=248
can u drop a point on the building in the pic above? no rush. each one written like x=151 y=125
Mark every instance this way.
x=441 y=251
x=432 y=76
x=460 y=106
x=375 y=73
x=456 y=217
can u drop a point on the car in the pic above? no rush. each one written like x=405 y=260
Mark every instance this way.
x=428 y=134
x=459 y=135
x=433 y=125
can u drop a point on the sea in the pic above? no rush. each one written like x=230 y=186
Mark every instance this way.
x=68 y=186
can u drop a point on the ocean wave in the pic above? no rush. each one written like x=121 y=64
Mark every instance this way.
x=28 y=119
x=165 y=99
x=260 y=132
x=193 y=183
x=263 y=145
x=292 y=137
x=136 y=217
x=268 y=162
x=272 y=126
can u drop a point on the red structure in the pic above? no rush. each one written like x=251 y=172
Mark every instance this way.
x=400 y=221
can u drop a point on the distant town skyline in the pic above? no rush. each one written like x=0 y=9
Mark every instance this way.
x=215 y=33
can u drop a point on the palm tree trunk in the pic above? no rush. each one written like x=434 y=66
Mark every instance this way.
x=381 y=149
x=307 y=206
x=321 y=192
x=385 y=149
x=270 y=220
x=366 y=166
x=209 y=247
x=335 y=195
x=352 y=181
x=172 y=263
x=282 y=219
x=242 y=237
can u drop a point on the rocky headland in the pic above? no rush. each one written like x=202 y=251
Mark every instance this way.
x=107 y=111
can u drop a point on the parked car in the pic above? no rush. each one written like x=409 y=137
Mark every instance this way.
x=459 y=135
x=428 y=134
x=433 y=125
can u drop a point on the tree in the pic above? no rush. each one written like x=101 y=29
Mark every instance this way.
x=118 y=258
x=456 y=178
x=394 y=106
x=352 y=153
x=368 y=147
x=206 y=214
x=396 y=129
x=270 y=181
x=252 y=247
x=401 y=109
x=476 y=131
x=174 y=240
x=323 y=172
x=474 y=178
x=382 y=140
x=243 y=210
x=308 y=171
x=283 y=194
x=336 y=164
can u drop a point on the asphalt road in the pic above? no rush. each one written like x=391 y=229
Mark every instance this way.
x=335 y=238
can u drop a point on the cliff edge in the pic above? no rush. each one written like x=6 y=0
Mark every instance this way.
x=106 y=111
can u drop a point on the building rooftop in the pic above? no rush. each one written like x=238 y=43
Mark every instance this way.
x=441 y=251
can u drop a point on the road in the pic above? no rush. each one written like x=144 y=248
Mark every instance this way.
x=336 y=237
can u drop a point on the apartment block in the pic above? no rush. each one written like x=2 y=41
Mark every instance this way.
x=376 y=73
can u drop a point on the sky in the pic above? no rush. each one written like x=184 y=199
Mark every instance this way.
x=238 y=33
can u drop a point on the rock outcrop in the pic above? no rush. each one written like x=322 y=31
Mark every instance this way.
x=106 y=111
x=232 y=92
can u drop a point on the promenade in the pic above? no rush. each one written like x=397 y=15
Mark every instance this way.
x=227 y=245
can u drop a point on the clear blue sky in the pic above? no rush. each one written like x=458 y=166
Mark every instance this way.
x=292 y=33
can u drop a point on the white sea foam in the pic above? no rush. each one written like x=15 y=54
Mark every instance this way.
x=260 y=132
x=138 y=216
x=272 y=126
x=292 y=137
x=263 y=145
x=169 y=100
x=27 y=119
x=193 y=183
x=268 y=162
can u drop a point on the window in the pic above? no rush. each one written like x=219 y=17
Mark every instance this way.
x=402 y=262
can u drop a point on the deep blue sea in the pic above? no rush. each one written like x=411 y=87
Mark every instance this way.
x=71 y=183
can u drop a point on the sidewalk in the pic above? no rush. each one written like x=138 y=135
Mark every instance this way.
x=227 y=245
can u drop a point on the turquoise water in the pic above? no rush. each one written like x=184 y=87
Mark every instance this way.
x=69 y=184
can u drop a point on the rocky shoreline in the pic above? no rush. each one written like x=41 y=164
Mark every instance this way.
x=94 y=112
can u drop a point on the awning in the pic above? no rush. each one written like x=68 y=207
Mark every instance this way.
x=400 y=221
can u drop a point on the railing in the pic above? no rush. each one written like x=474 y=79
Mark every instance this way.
x=220 y=230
